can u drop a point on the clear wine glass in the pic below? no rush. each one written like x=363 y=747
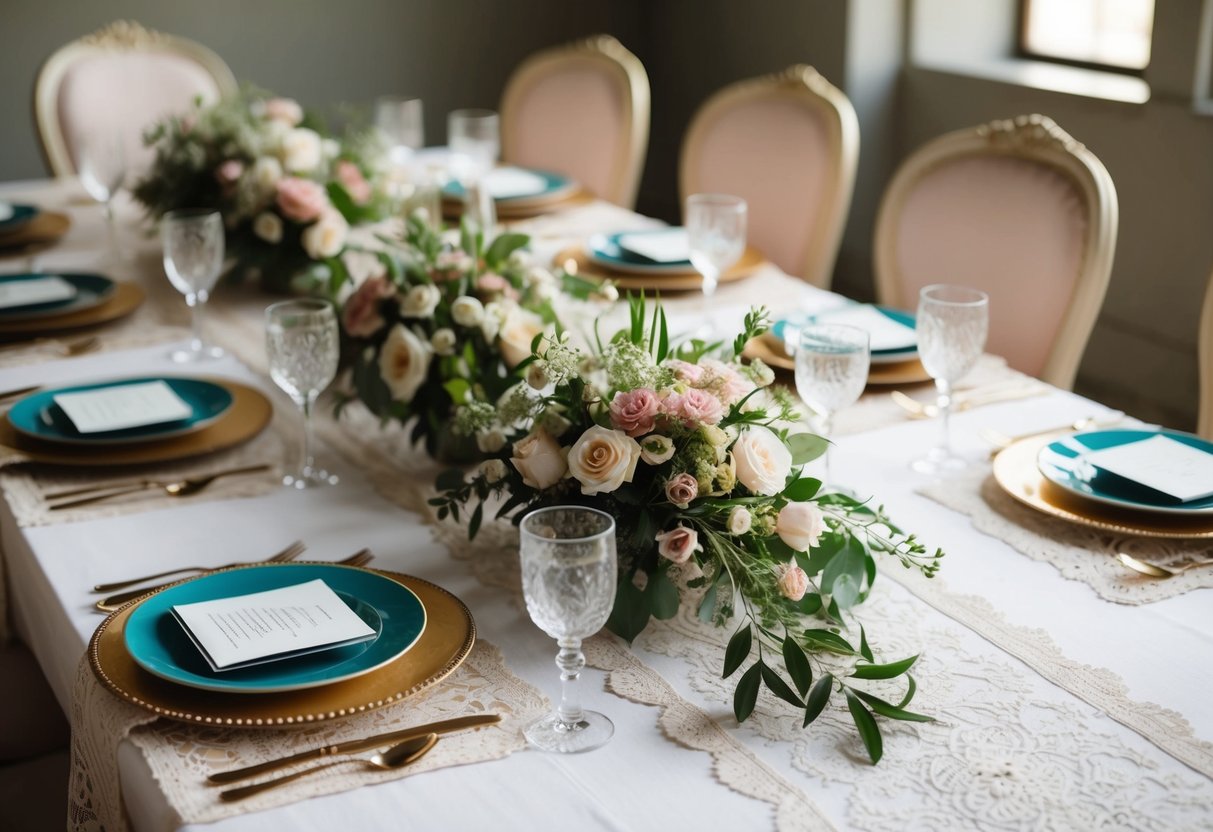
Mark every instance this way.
x=302 y=342
x=401 y=121
x=569 y=572
x=716 y=233
x=102 y=170
x=474 y=142
x=952 y=325
x=193 y=261
x=832 y=363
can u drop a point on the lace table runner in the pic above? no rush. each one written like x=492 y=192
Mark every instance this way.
x=182 y=755
x=1077 y=552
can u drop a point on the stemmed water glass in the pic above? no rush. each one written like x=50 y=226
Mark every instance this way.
x=102 y=168
x=401 y=121
x=952 y=325
x=302 y=342
x=474 y=142
x=569 y=572
x=193 y=260
x=832 y=363
x=716 y=233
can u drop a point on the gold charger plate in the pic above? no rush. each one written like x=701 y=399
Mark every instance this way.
x=1016 y=472
x=44 y=229
x=525 y=209
x=900 y=372
x=249 y=414
x=577 y=261
x=446 y=641
x=125 y=299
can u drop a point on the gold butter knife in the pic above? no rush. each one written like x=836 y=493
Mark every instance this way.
x=379 y=741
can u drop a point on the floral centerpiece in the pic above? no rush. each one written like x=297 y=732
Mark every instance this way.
x=288 y=192
x=695 y=457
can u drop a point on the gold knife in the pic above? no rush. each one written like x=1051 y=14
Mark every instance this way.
x=352 y=746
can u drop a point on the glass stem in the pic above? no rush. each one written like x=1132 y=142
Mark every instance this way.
x=571 y=661
x=944 y=400
x=111 y=230
x=307 y=460
x=195 y=300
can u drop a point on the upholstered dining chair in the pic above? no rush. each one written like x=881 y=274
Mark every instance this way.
x=1204 y=346
x=1018 y=209
x=119 y=80
x=581 y=110
x=788 y=144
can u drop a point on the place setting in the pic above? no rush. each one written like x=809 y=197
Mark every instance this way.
x=26 y=228
x=40 y=304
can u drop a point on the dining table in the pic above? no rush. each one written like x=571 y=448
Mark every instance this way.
x=1068 y=692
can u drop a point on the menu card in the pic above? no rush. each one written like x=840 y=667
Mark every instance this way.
x=269 y=626
x=1161 y=463
x=123 y=406
x=885 y=333
x=17 y=293
x=670 y=245
x=508 y=182
x=6 y=211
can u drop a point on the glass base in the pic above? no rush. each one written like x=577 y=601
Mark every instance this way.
x=940 y=461
x=551 y=734
x=310 y=478
x=188 y=356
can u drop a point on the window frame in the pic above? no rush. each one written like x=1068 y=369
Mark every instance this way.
x=1022 y=51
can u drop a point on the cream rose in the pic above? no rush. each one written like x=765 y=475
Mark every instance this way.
x=268 y=226
x=603 y=459
x=740 y=520
x=540 y=459
x=326 y=236
x=656 y=449
x=467 y=311
x=266 y=172
x=494 y=471
x=490 y=441
x=443 y=341
x=404 y=363
x=420 y=301
x=800 y=525
x=763 y=461
x=537 y=375
x=517 y=332
x=285 y=110
x=301 y=150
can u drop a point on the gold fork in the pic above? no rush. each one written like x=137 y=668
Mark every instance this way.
x=1157 y=570
x=289 y=553
x=173 y=488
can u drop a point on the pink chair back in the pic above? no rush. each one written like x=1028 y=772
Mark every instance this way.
x=1019 y=210
x=787 y=144
x=583 y=111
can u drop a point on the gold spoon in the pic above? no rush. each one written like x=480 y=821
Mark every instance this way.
x=175 y=488
x=1157 y=570
x=398 y=756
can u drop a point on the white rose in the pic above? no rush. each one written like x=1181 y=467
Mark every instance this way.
x=554 y=422
x=540 y=460
x=537 y=375
x=517 y=333
x=330 y=148
x=301 y=150
x=420 y=301
x=266 y=172
x=603 y=459
x=490 y=441
x=800 y=525
x=443 y=341
x=467 y=311
x=656 y=449
x=494 y=471
x=268 y=226
x=740 y=520
x=763 y=461
x=495 y=314
x=326 y=236
x=404 y=363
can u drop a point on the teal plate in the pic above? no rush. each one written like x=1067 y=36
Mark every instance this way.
x=38 y=417
x=889 y=356
x=19 y=216
x=554 y=185
x=1061 y=463
x=604 y=249
x=157 y=643
x=91 y=290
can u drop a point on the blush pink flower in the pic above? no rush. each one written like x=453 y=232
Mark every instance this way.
x=353 y=181
x=228 y=172
x=793 y=582
x=490 y=284
x=286 y=110
x=699 y=407
x=635 y=412
x=681 y=490
x=361 y=316
x=301 y=200
x=678 y=544
x=685 y=371
x=450 y=265
x=724 y=381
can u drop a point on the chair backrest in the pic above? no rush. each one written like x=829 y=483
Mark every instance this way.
x=1204 y=344
x=788 y=144
x=581 y=110
x=118 y=81
x=1018 y=209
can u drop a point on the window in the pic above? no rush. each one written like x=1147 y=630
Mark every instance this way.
x=1106 y=33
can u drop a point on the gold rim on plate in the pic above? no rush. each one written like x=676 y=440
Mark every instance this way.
x=1016 y=472
x=446 y=641
x=577 y=261
x=522 y=209
x=125 y=299
x=898 y=372
x=248 y=415
x=43 y=229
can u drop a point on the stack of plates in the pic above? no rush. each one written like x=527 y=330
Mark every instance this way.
x=608 y=255
x=422 y=634
x=23 y=227
x=1050 y=475
x=223 y=414
x=96 y=300
x=519 y=193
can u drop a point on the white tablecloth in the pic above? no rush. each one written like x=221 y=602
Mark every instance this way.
x=640 y=780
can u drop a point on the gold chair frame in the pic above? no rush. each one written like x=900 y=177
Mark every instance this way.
x=806 y=86
x=1039 y=139
x=119 y=36
x=600 y=51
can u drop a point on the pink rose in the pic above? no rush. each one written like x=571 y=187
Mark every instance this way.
x=728 y=384
x=228 y=172
x=450 y=265
x=490 y=284
x=681 y=490
x=678 y=544
x=301 y=200
x=353 y=181
x=699 y=407
x=361 y=315
x=793 y=582
x=286 y=110
x=635 y=412
x=685 y=371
